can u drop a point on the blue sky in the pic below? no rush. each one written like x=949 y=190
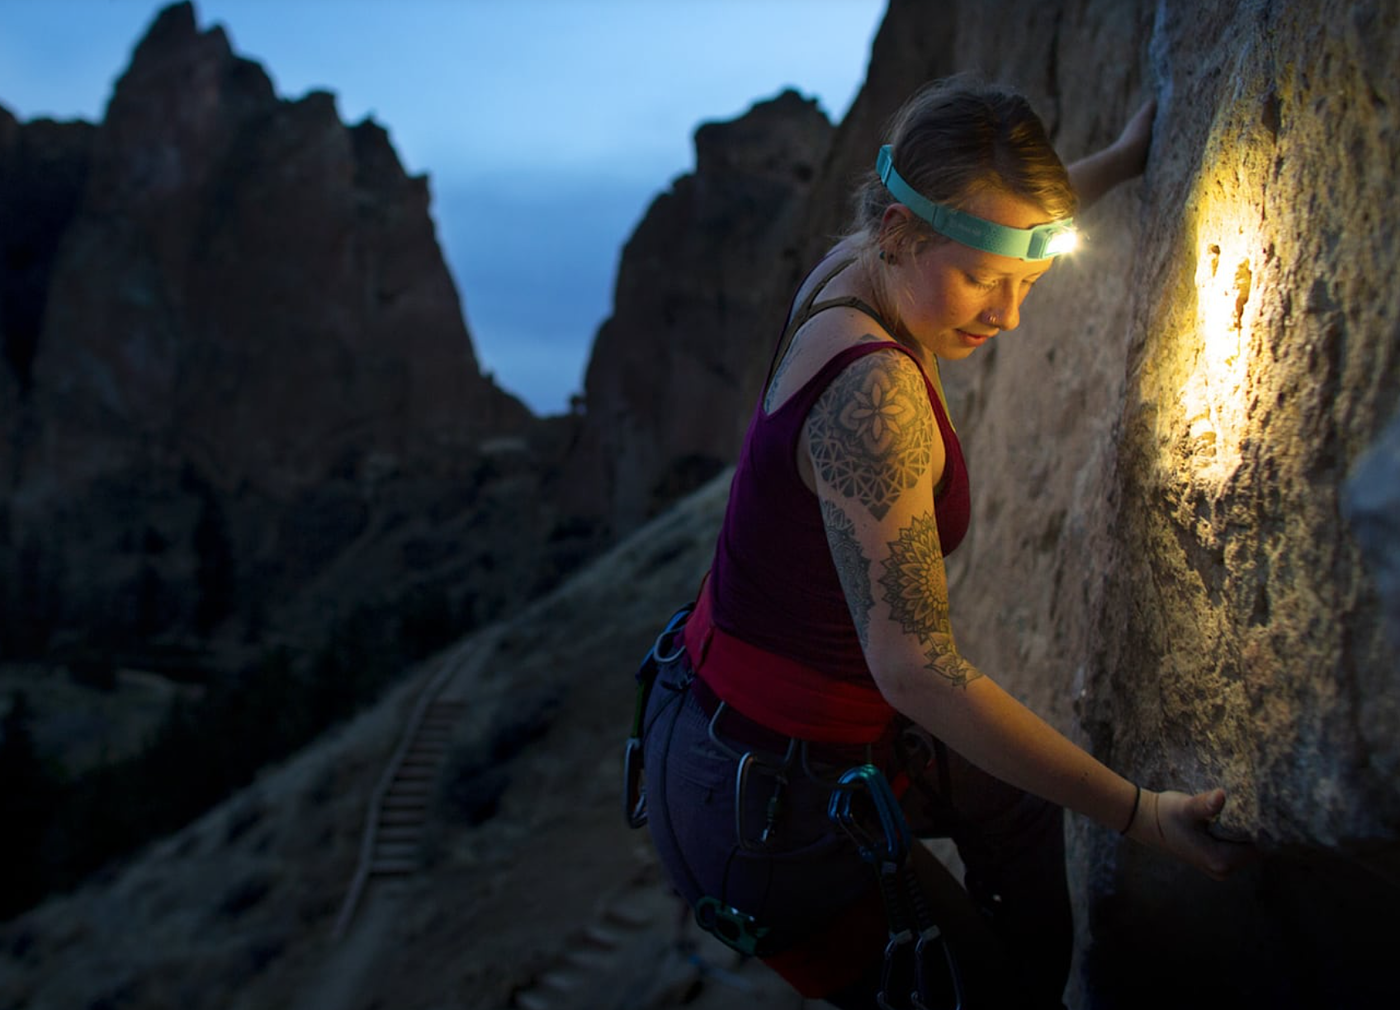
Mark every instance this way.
x=546 y=127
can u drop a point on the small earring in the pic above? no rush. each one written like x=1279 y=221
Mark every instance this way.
x=889 y=258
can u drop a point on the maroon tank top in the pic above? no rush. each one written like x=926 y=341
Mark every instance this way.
x=773 y=580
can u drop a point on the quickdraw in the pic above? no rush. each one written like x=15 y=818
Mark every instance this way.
x=919 y=972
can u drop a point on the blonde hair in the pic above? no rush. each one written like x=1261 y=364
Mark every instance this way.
x=952 y=139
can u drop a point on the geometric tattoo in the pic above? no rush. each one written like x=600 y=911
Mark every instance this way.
x=852 y=566
x=870 y=434
x=916 y=591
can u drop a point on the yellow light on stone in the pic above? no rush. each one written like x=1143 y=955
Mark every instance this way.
x=1215 y=393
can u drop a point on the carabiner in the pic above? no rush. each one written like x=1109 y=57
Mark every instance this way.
x=935 y=970
x=779 y=774
x=673 y=650
x=888 y=838
x=898 y=977
x=634 y=794
x=919 y=967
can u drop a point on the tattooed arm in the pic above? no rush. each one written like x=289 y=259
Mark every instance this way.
x=876 y=455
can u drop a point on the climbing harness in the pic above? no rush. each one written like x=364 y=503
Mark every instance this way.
x=666 y=649
x=797 y=758
x=919 y=971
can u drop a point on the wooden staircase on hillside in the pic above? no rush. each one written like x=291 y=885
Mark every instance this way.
x=397 y=815
x=402 y=816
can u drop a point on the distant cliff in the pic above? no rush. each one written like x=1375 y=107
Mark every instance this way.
x=240 y=403
x=238 y=392
x=698 y=305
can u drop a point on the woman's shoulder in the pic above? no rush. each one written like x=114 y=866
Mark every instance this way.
x=872 y=366
x=841 y=340
x=833 y=325
x=826 y=271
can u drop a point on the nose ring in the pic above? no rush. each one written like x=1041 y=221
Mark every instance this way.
x=992 y=319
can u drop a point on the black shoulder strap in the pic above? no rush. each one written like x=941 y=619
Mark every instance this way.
x=805 y=311
x=849 y=302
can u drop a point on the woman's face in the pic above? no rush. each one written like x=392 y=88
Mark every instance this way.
x=953 y=298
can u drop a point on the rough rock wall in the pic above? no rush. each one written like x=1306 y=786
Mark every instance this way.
x=1264 y=364
x=1160 y=562
x=239 y=363
x=1242 y=638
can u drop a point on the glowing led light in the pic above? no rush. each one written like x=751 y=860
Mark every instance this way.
x=1065 y=242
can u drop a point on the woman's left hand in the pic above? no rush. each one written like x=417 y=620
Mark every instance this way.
x=1133 y=143
x=1124 y=159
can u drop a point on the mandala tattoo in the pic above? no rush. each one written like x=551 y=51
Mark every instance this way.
x=917 y=595
x=852 y=566
x=871 y=433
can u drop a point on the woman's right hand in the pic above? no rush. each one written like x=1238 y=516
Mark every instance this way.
x=1178 y=824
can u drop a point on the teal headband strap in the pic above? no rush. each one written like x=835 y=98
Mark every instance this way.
x=1038 y=243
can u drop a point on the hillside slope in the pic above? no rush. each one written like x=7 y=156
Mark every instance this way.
x=238 y=910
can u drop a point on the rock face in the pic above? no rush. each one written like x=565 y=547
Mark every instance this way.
x=1160 y=457
x=44 y=166
x=234 y=353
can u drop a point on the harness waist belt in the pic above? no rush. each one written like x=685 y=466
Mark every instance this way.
x=781 y=693
x=735 y=727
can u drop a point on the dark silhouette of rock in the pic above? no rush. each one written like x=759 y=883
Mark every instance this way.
x=674 y=371
x=222 y=300
x=43 y=168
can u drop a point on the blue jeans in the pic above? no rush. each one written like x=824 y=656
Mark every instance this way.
x=1010 y=926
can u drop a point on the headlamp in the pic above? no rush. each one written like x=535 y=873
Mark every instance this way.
x=1038 y=243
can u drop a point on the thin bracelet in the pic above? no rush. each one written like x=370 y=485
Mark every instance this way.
x=1137 y=798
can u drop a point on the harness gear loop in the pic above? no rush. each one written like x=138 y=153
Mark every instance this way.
x=667 y=648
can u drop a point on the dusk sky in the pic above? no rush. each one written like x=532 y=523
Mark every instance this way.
x=546 y=127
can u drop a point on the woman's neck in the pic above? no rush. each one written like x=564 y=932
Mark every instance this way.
x=858 y=280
